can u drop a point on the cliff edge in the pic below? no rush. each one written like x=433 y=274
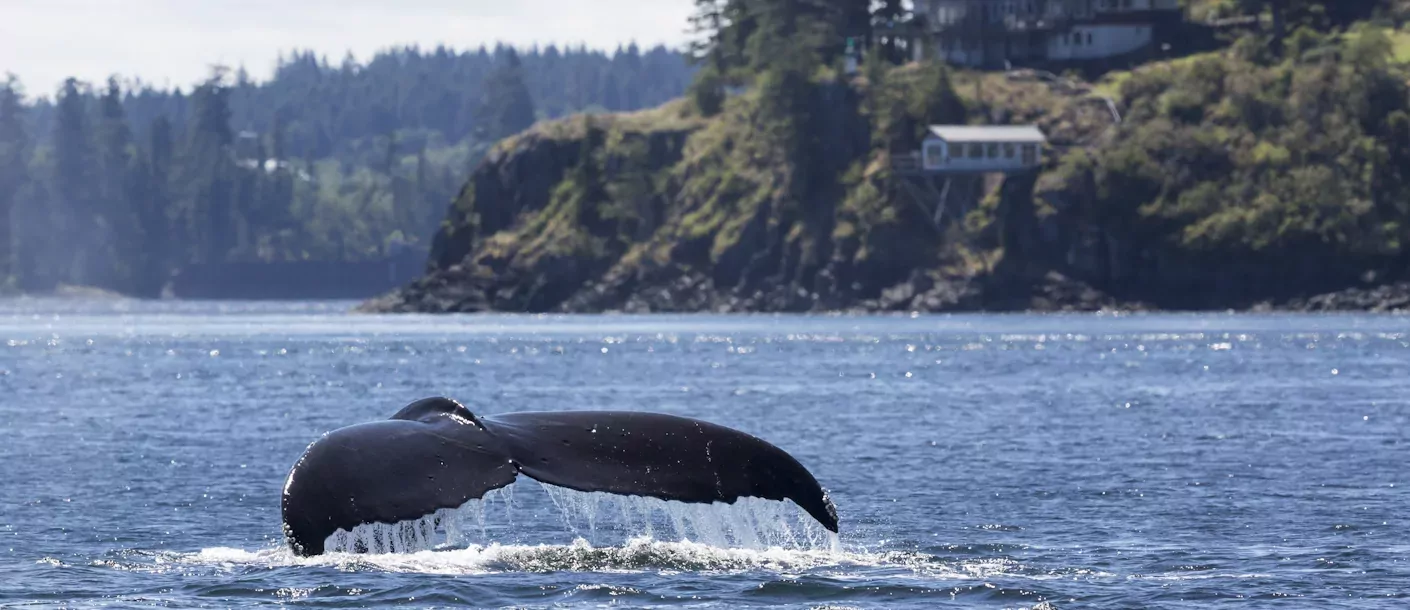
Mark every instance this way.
x=1231 y=179
x=783 y=201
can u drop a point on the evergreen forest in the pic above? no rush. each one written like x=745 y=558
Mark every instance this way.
x=116 y=185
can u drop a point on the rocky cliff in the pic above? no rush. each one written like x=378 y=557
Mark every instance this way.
x=666 y=210
x=1186 y=185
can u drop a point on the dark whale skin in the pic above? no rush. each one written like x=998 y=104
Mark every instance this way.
x=434 y=454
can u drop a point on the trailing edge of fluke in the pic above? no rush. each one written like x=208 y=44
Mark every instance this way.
x=435 y=454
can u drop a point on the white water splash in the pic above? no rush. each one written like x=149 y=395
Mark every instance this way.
x=445 y=527
x=602 y=518
x=750 y=523
x=637 y=555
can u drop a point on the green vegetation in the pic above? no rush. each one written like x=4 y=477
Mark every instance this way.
x=771 y=188
x=1399 y=40
x=1272 y=168
x=1249 y=156
x=118 y=187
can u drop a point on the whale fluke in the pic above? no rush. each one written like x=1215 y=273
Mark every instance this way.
x=435 y=454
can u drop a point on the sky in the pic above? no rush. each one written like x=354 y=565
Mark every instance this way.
x=169 y=43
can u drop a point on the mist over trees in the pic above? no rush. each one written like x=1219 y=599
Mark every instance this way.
x=117 y=185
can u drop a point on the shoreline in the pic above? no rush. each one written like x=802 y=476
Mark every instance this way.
x=1391 y=298
x=1061 y=296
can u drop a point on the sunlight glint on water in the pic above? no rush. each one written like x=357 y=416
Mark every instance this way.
x=1097 y=462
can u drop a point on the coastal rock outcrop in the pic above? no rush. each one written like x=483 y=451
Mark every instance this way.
x=1386 y=298
x=789 y=200
x=749 y=210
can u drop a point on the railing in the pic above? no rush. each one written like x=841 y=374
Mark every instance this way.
x=1036 y=23
x=969 y=24
x=909 y=163
x=905 y=162
x=982 y=23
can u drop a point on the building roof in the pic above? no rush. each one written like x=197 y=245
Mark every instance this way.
x=989 y=133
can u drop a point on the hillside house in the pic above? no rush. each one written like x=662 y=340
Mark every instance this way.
x=997 y=33
x=982 y=148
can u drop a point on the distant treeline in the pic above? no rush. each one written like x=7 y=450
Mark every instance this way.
x=115 y=186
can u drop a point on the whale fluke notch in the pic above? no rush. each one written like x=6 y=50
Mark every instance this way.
x=435 y=454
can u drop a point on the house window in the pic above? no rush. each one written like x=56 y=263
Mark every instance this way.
x=1030 y=154
x=1089 y=38
x=934 y=155
x=976 y=151
x=1008 y=150
x=956 y=152
x=992 y=150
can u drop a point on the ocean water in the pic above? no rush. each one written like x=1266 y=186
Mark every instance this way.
x=1082 y=461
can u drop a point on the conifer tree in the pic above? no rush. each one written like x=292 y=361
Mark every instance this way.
x=507 y=107
x=131 y=183
x=707 y=24
x=151 y=206
x=72 y=185
x=114 y=241
x=14 y=154
x=209 y=207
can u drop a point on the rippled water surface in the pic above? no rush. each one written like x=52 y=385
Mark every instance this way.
x=976 y=461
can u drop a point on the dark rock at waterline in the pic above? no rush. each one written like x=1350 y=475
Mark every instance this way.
x=679 y=290
x=1385 y=298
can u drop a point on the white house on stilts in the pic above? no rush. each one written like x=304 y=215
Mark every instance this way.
x=945 y=176
x=982 y=148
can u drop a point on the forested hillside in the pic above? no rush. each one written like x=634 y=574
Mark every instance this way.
x=117 y=184
x=1264 y=173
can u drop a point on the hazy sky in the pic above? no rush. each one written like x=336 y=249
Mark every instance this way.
x=173 y=42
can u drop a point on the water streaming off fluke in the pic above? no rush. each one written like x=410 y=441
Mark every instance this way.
x=600 y=519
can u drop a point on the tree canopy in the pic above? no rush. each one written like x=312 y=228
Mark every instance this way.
x=117 y=185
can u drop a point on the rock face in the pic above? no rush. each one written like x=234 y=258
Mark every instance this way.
x=546 y=213
x=668 y=211
x=1388 y=298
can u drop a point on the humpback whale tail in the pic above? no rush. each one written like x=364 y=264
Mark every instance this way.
x=435 y=454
